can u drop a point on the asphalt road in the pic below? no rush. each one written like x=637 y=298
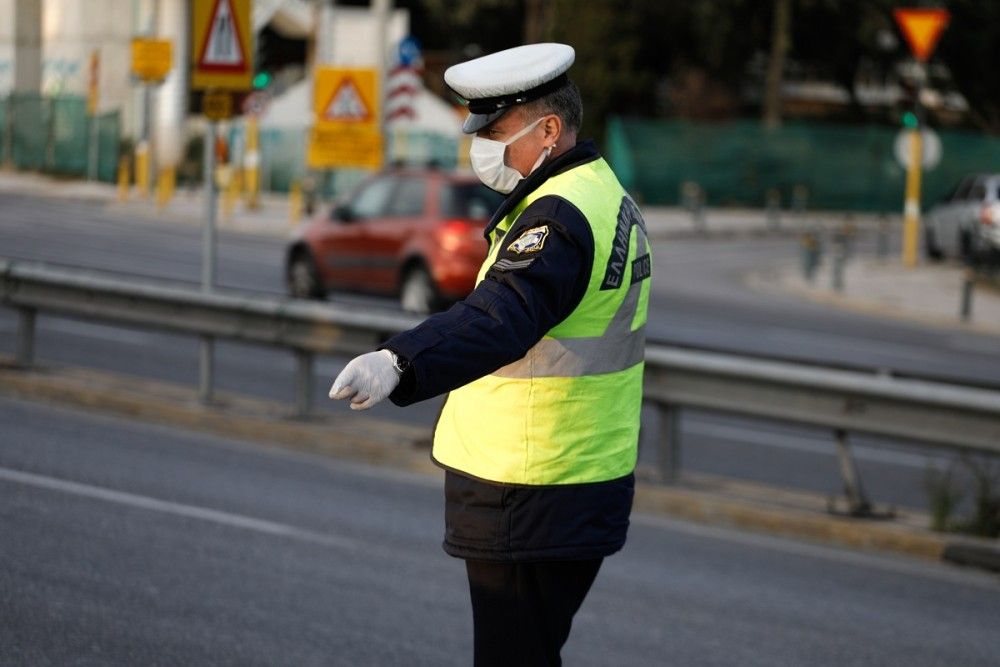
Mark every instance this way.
x=125 y=543
x=699 y=300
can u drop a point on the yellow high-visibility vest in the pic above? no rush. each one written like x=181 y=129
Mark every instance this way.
x=568 y=411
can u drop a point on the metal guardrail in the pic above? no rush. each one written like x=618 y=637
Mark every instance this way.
x=935 y=414
x=307 y=328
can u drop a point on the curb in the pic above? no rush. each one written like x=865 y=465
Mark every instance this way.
x=785 y=280
x=698 y=498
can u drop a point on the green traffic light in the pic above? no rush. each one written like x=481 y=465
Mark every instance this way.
x=261 y=80
x=910 y=120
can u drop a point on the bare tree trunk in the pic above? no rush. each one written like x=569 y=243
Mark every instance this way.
x=538 y=20
x=780 y=42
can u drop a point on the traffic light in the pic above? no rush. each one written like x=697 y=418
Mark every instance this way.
x=262 y=80
x=910 y=121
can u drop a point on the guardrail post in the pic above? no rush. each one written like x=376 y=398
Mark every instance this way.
x=669 y=458
x=26 y=336
x=206 y=379
x=857 y=501
x=303 y=382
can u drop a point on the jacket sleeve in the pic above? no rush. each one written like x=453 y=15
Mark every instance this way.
x=538 y=279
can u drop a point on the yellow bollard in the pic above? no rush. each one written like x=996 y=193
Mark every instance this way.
x=142 y=169
x=230 y=192
x=251 y=164
x=294 y=204
x=124 y=166
x=911 y=209
x=165 y=185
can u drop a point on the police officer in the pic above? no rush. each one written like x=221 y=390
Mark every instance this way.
x=543 y=360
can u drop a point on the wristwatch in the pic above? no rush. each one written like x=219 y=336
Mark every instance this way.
x=399 y=364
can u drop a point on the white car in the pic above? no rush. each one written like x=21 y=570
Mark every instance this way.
x=966 y=223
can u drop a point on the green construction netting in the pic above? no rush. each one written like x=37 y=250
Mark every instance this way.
x=30 y=137
x=108 y=145
x=53 y=134
x=736 y=163
x=69 y=133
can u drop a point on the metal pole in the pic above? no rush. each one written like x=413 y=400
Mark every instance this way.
x=208 y=232
x=303 y=382
x=858 y=504
x=670 y=442
x=26 y=337
x=206 y=358
x=967 y=284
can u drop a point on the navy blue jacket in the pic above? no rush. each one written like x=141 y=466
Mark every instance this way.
x=520 y=299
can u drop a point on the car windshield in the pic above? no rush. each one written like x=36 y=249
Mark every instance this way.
x=469 y=200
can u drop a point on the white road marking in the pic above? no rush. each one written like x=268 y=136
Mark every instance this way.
x=178 y=509
x=807 y=444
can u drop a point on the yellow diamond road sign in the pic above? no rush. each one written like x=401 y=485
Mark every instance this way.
x=221 y=45
x=346 y=131
x=152 y=58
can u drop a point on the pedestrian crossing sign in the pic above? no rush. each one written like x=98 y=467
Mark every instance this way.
x=221 y=45
x=346 y=96
x=346 y=129
x=346 y=104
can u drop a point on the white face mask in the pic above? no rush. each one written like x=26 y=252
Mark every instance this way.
x=487 y=156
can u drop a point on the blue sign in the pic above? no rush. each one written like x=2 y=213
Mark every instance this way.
x=409 y=51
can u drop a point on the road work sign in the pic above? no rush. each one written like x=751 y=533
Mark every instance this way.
x=346 y=131
x=221 y=45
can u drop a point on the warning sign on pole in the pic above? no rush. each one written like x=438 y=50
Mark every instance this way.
x=346 y=131
x=151 y=58
x=221 y=45
x=922 y=28
x=346 y=96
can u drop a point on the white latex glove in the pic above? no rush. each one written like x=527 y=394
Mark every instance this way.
x=366 y=380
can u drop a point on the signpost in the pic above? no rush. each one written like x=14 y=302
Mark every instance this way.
x=922 y=28
x=222 y=54
x=346 y=131
x=152 y=60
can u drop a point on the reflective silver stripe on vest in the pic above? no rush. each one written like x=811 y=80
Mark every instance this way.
x=618 y=349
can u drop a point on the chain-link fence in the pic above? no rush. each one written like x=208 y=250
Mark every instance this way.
x=843 y=167
x=53 y=135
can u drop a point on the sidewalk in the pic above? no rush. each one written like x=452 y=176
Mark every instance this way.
x=928 y=293
x=186 y=207
x=272 y=215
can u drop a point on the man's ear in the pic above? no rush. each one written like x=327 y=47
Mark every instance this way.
x=553 y=128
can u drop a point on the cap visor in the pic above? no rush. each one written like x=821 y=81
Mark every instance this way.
x=477 y=121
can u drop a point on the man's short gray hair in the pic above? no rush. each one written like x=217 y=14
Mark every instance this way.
x=564 y=102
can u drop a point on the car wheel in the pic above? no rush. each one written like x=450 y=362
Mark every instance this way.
x=303 y=278
x=418 y=294
x=933 y=250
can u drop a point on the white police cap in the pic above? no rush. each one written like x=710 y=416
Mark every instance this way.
x=492 y=84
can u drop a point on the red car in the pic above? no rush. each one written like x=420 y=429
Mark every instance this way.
x=415 y=234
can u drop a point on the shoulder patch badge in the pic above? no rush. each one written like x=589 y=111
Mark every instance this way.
x=531 y=240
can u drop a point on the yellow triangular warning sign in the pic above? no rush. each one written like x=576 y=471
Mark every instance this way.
x=922 y=28
x=222 y=49
x=346 y=104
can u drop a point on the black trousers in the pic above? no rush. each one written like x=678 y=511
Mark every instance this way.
x=522 y=612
